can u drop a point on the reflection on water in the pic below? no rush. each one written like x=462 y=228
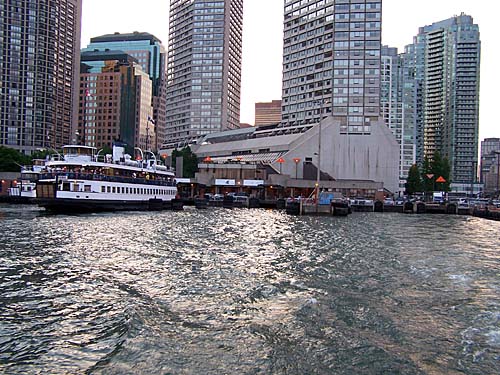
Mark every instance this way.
x=248 y=291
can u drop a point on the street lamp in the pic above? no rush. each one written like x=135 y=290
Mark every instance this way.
x=318 y=173
x=296 y=161
x=280 y=161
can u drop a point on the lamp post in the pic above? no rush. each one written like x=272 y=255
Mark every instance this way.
x=280 y=161
x=296 y=161
x=318 y=173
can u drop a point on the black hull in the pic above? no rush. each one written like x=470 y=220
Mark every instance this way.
x=18 y=200
x=61 y=205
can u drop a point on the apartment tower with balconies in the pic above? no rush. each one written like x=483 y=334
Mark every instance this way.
x=203 y=68
x=39 y=61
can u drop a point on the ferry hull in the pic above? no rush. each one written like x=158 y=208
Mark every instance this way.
x=78 y=206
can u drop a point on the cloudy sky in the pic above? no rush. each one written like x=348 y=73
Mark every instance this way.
x=263 y=34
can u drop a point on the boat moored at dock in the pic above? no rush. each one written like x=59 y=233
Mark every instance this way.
x=79 y=182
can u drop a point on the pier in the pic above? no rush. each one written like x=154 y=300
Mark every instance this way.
x=343 y=207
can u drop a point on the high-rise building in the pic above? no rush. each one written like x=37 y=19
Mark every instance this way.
x=331 y=68
x=331 y=62
x=203 y=68
x=150 y=54
x=115 y=101
x=39 y=60
x=447 y=59
x=398 y=105
x=490 y=154
x=267 y=113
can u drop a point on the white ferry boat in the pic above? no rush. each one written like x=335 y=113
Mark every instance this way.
x=80 y=182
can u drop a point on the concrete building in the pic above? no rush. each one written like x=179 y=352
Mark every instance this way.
x=290 y=155
x=39 y=60
x=204 y=68
x=267 y=113
x=331 y=68
x=450 y=54
x=490 y=164
x=115 y=101
x=151 y=55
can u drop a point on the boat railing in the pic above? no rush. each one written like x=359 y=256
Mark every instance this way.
x=102 y=177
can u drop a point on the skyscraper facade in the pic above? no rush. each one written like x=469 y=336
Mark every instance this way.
x=151 y=55
x=490 y=154
x=39 y=60
x=203 y=68
x=331 y=62
x=115 y=101
x=450 y=52
x=331 y=75
x=398 y=103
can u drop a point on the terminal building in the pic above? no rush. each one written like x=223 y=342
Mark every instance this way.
x=287 y=158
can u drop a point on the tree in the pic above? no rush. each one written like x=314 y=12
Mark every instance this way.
x=440 y=167
x=11 y=160
x=432 y=170
x=414 y=182
x=427 y=179
x=190 y=161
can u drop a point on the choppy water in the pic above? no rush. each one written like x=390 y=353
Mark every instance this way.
x=248 y=292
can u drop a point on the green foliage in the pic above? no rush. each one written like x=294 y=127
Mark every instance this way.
x=414 y=182
x=437 y=167
x=11 y=160
x=190 y=161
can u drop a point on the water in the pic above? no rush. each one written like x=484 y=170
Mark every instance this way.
x=248 y=292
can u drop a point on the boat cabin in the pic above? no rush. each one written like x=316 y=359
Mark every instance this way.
x=79 y=153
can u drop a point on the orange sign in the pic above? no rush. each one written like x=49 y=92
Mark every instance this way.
x=440 y=179
x=296 y=160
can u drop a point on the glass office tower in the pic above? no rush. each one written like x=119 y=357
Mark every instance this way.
x=204 y=68
x=151 y=55
x=39 y=60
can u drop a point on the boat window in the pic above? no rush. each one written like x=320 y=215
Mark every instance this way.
x=126 y=190
x=109 y=189
x=86 y=188
x=103 y=189
x=114 y=189
x=76 y=187
x=65 y=186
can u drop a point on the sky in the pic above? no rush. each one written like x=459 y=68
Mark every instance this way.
x=263 y=40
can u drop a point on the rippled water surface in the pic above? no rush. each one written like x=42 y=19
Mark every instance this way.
x=248 y=292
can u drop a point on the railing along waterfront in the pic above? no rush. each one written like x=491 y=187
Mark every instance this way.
x=101 y=177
